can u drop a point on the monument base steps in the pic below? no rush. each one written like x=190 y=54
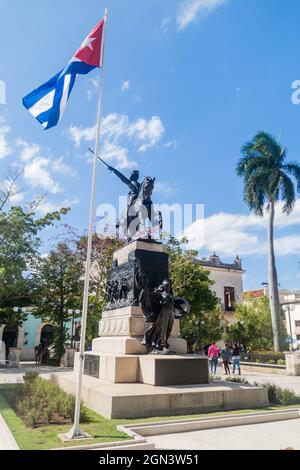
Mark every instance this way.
x=129 y=401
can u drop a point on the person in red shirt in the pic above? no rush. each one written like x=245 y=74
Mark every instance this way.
x=213 y=355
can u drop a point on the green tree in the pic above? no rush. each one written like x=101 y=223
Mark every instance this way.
x=256 y=332
x=19 y=245
x=59 y=287
x=191 y=281
x=268 y=179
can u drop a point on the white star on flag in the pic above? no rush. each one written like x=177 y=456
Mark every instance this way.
x=88 y=43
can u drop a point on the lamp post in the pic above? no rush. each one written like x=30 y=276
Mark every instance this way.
x=199 y=323
x=288 y=309
x=19 y=309
x=73 y=313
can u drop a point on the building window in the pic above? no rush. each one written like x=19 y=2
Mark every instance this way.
x=298 y=337
x=229 y=296
x=297 y=323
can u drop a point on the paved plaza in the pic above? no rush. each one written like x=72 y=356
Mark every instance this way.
x=273 y=436
x=12 y=376
x=15 y=376
x=268 y=436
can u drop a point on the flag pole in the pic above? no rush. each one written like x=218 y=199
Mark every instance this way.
x=76 y=432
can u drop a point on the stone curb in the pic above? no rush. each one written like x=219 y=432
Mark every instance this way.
x=167 y=427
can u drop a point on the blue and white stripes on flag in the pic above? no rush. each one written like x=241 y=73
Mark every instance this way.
x=48 y=102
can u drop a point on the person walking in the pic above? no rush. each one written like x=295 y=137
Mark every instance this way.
x=226 y=356
x=213 y=355
x=236 y=359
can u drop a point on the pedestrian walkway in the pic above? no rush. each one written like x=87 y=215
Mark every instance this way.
x=12 y=376
x=7 y=440
x=283 y=381
x=267 y=436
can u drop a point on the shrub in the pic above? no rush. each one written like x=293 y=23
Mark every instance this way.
x=266 y=357
x=280 y=396
x=281 y=362
x=43 y=402
x=240 y=380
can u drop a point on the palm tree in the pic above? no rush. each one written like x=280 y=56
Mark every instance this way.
x=268 y=179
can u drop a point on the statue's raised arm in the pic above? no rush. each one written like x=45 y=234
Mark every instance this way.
x=120 y=175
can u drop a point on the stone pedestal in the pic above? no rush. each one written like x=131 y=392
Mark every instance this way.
x=147 y=369
x=2 y=352
x=68 y=358
x=292 y=363
x=123 y=327
x=173 y=370
x=14 y=357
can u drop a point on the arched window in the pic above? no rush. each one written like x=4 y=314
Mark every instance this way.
x=47 y=335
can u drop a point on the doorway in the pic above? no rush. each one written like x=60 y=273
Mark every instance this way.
x=47 y=335
x=10 y=338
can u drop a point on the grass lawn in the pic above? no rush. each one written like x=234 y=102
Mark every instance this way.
x=102 y=430
x=45 y=437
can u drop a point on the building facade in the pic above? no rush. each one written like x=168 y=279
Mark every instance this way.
x=32 y=332
x=291 y=308
x=228 y=282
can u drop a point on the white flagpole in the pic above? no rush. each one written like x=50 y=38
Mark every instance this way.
x=76 y=432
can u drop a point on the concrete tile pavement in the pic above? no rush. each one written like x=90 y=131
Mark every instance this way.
x=12 y=376
x=284 y=381
x=267 y=436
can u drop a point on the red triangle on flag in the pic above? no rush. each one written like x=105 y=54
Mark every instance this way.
x=90 y=50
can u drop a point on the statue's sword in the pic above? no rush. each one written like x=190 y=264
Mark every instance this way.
x=92 y=151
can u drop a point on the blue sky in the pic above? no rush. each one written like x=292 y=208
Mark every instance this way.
x=187 y=82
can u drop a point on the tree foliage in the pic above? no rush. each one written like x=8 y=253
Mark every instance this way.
x=103 y=249
x=255 y=331
x=19 y=245
x=191 y=281
x=59 y=287
x=268 y=179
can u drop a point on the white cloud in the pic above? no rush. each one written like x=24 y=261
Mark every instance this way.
x=5 y=150
x=38 y=169
x=28 y=150
x=171 y=144
x=18 y=197
x=118 y=132
x=10 y=186
x=229 y=234
x=125 y=85
x=165 y=23
x=46 y=206
x=37 y=175
x=190 y=11
x=92 y=91
x=165 y=189
x=59 y=166
x=112 y=152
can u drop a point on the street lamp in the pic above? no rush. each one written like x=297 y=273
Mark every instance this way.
x=73 y=313
x=288 y=309
x=199 y=323
x=19 y=309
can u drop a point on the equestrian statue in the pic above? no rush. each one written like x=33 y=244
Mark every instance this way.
x=140 y=207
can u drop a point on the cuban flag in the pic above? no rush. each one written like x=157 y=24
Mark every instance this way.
x=48 y=102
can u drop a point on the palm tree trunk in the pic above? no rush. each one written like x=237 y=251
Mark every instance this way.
x=273 y=281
